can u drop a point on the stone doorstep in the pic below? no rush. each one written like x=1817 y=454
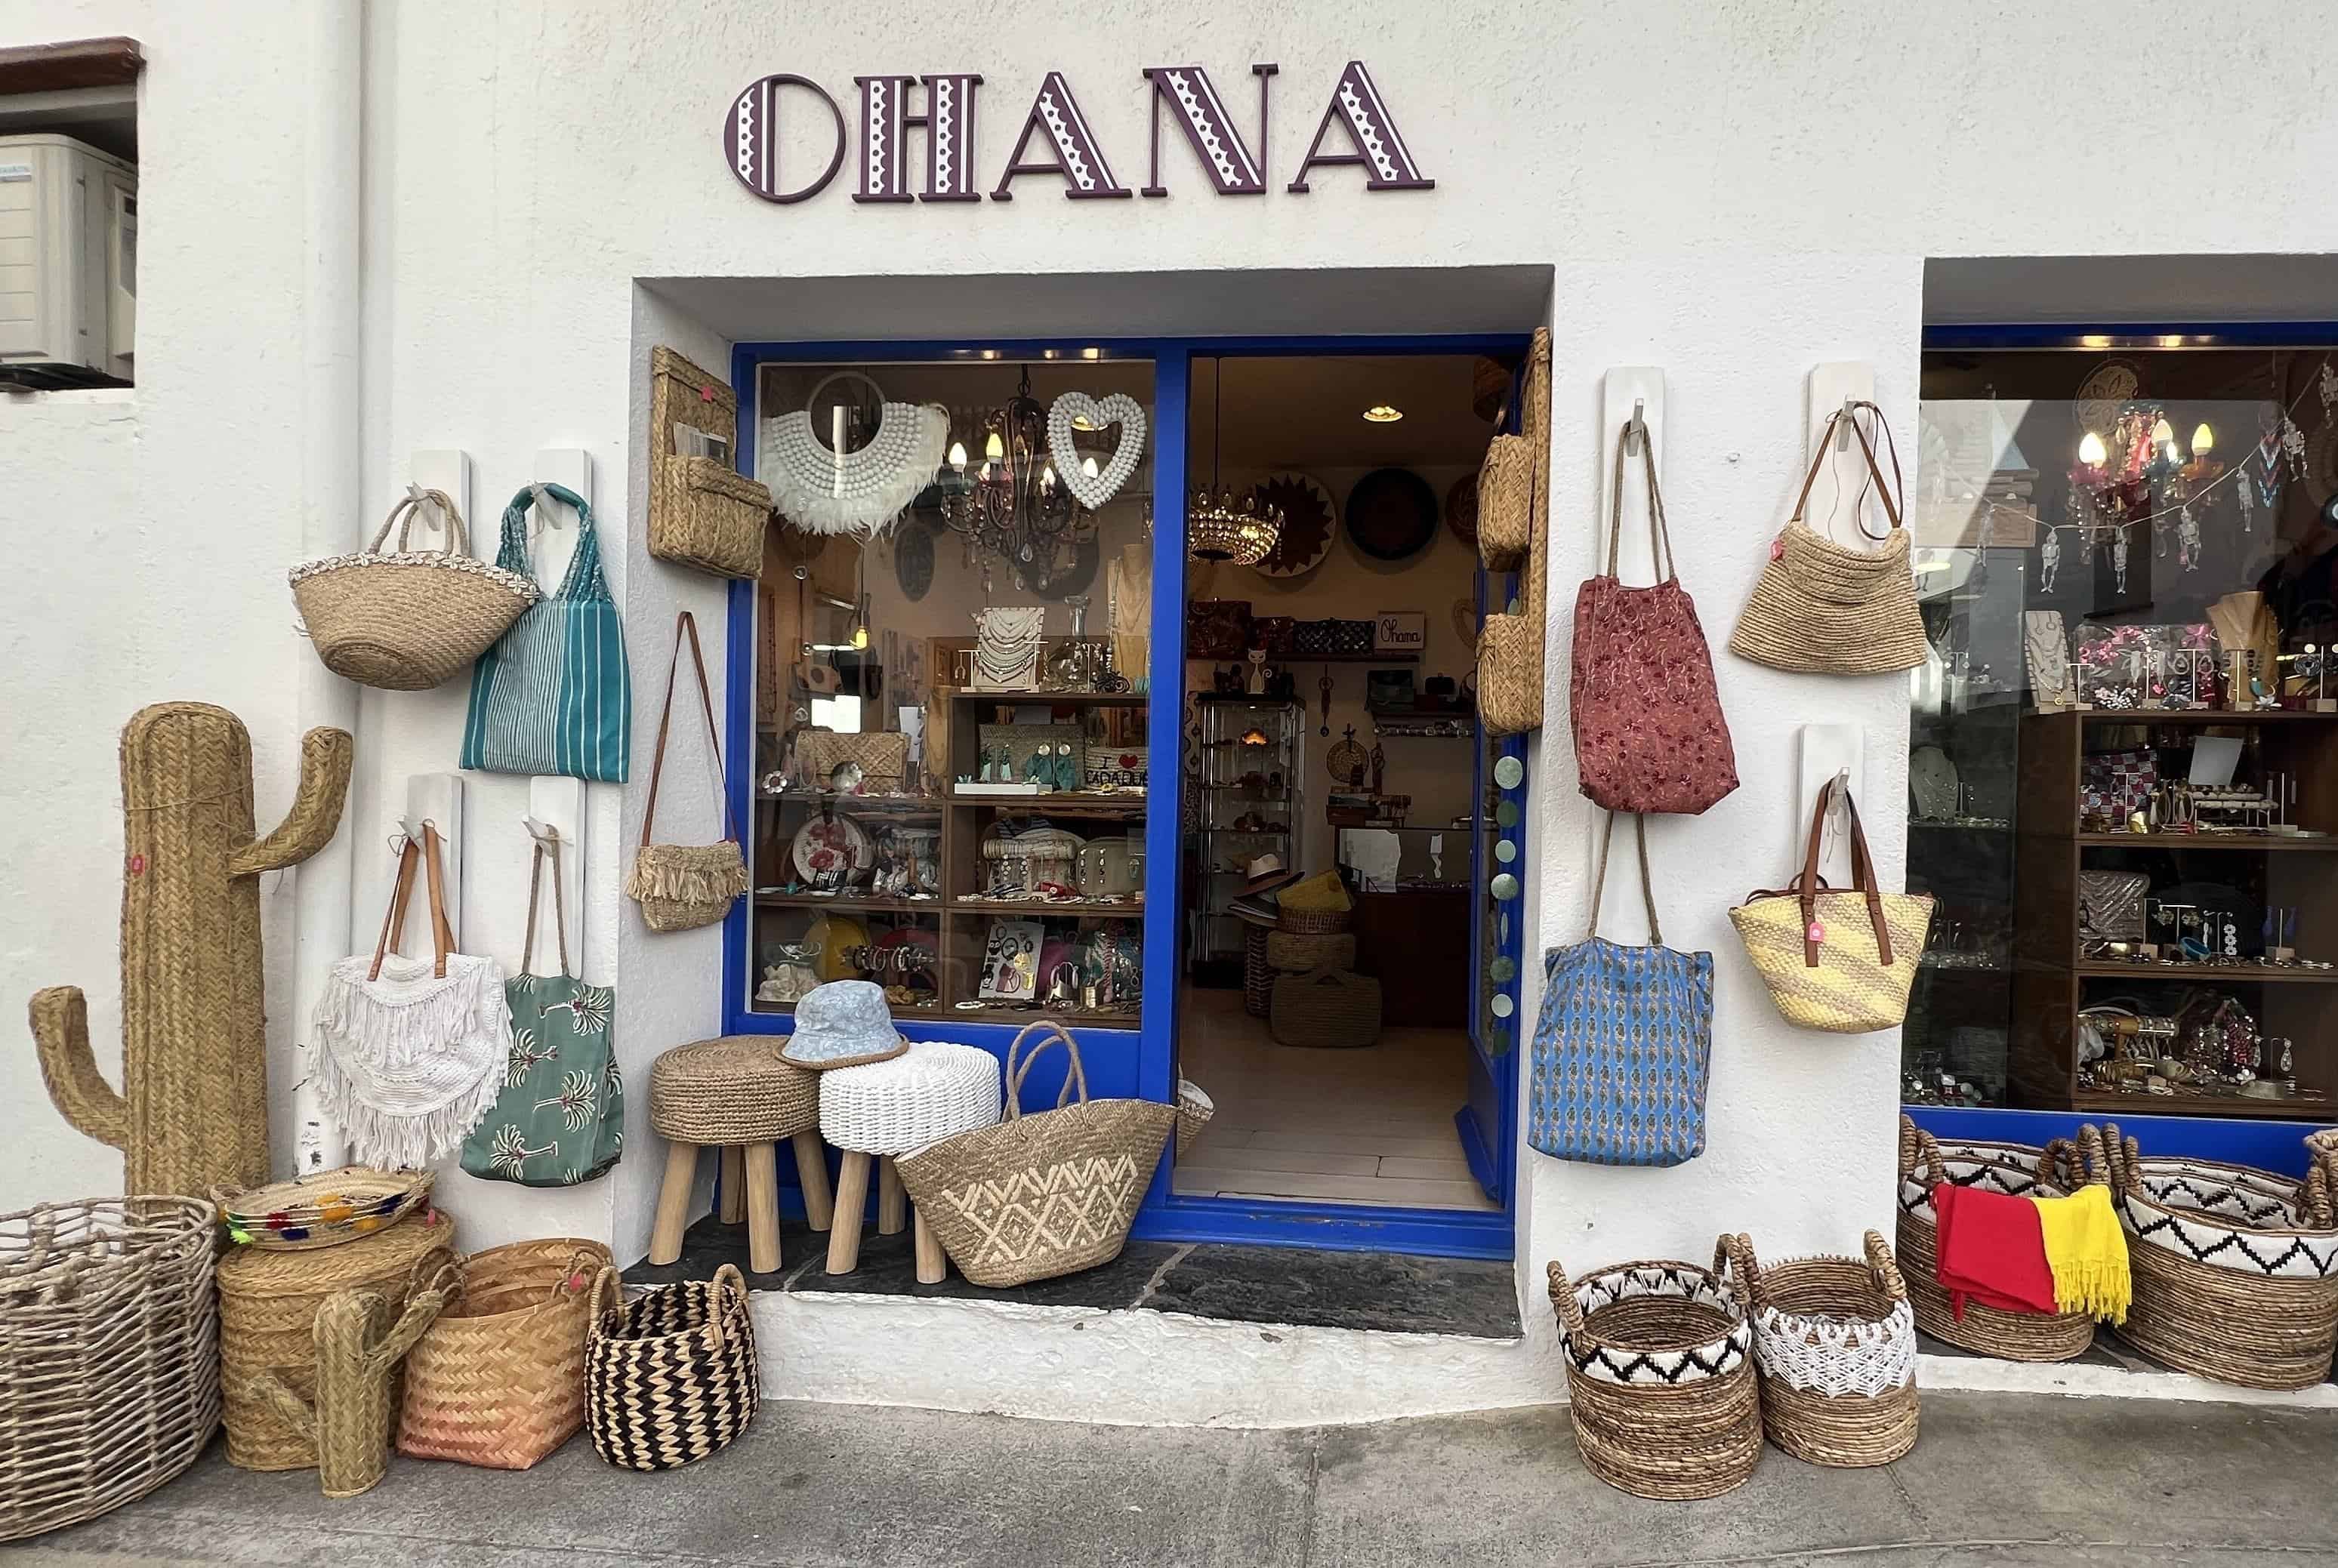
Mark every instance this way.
x=1382 y=1291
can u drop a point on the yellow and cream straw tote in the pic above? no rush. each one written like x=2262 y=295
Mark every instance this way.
x=1836 y=960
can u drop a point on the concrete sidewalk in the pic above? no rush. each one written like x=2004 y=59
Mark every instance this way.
x=1997 y=1479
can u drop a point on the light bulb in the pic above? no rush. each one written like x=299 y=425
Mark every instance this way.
x=958 y=456
x=993 y=447
x=2163 y=434
x=1088 y=467
x=860 y=636
x=1048 y=476
x=2203 y=440
x=2092 y=452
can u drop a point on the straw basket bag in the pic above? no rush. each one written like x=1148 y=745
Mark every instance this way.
x=682 y=886
x=269 y=1303
x=109 y=1359
x=1041 y=1195
x=1838 y=961
x=499 y=1380
x=1194 y=1110
x=703 y=512
x=2236 y=1270
x=2013 y=1168
x=1660 y=1377
x=1515 y=470
x=670 y=1377
x=1834 y=1341
x=1325 y=1008
x=405 y=620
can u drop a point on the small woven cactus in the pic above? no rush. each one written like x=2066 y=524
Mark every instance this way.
x=358 y=1349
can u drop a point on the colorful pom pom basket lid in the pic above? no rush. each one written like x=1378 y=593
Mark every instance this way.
x=321 y=1211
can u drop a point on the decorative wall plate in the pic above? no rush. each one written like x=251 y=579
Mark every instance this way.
x=830 y=851
x=1391 y=514
x=1310 y=522
x=1120 y=409
x=913 y=559
x=1461 y=509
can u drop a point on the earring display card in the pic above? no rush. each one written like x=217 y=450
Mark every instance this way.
x=1010 y=961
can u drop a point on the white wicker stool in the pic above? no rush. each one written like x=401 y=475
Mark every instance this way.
x=933 y=1091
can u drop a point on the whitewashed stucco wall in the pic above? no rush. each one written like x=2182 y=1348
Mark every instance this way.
x=1733 y=192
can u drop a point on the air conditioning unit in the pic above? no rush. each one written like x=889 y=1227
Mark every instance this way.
x=68 y=263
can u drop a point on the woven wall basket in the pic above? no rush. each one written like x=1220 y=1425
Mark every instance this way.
x=2248 y=1301
x=670 y=1377
x=109 y=1359
x=1660 y=1377
x=702 y=514
x=1325 y=1008
x=1037 y=1196
x=269 y=1303
x=1835 y=1343
x=499 y=1380
x=2010 y=1168
x=405 y=620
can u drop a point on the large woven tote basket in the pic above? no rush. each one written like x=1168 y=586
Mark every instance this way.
x=405 y=620
x=109 y=1355
x=2016 y=1169
x=1834 y=1342
x=1842 y=961
x=671 y=1375
x=1037 y=1196
x=499 y=1380
x=702 y=512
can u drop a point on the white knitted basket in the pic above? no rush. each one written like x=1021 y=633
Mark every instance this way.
x=933 y=1091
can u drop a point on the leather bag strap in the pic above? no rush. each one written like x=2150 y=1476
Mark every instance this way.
x=685 y=626
x=1647 y=890
x=1883 y=487
x=1808 y=885
x=425 y=853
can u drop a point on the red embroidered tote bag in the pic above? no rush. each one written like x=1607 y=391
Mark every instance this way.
x=1649 y=734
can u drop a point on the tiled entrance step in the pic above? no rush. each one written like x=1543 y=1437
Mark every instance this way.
x=1388 y=1291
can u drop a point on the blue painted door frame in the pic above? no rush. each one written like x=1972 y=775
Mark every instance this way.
x=1141 y=1061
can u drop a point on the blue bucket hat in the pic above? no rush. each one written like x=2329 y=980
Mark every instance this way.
x=843 y=1024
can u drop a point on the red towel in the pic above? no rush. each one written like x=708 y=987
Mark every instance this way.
x=1992 y=1249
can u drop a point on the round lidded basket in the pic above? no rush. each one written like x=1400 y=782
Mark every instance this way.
x=109 y=1361
x=2252 y=1304
x=2013 y=1168
x=323 y=1209
x=407 y=620
x=498 y=1379
x=1660 y=1377
x=1834 y=1346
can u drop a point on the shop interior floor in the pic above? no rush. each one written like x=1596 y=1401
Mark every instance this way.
x=1371 y=1290
x=1370 y=1125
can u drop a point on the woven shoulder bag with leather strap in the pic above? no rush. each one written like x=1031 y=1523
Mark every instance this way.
x=1510 y=645
x=1843 y=960
x=682 y=885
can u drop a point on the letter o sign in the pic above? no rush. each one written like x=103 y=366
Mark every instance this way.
x=751 y=137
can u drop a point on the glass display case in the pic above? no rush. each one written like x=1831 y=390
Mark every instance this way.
x=1249 y=803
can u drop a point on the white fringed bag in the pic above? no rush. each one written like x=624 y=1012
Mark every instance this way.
x=409 y=1051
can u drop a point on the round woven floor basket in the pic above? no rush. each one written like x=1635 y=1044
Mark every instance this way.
x=1293 y=953
x=1314 y=922
x=267 y=1304
x=1835 y=1343
x=671 y=1375
x=1325 y=1009
x=109 y=1354
x=1660 y=1377
x=2008 y=1168
x=405 y=620
x=2253 y=1304
x=1258 y=977
x=499 y=1380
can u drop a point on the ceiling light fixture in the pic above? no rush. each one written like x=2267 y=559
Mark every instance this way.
x=1383 y=414
x=1223 y=528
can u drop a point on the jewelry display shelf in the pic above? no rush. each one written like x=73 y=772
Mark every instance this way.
x=1082 y=907
x=2267 y=972
x=896 y=805
x=1055 y=699
x=1072 y=1017
x=2201 y=1105
x=1424 y=727
x=1062 y=803
x=2180 y=841
x=2194 y=716
x=848 y=904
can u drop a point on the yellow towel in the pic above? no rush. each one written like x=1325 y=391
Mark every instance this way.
x=2087 y=1252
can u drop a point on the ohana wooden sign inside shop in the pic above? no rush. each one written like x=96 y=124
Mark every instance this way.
x=1056 y=138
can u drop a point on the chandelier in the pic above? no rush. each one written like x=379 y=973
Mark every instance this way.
x=1225 y=527
x=1015 y=506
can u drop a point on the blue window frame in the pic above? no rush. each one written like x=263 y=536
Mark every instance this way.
x=1141 y=1061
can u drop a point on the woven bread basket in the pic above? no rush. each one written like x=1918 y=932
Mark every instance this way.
x=1045 y=1194
x=109 y=1354
x=702 y=512
x=1660 y=1376
x=498 y=1379
x=1326 y=1009
x=2014 y=1169
x=2234 y=1270
x=670 y=1377
x=1834 y=1346
x=407 y=620
x=323 y=1209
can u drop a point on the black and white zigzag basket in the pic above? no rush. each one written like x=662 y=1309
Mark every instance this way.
x=671 y=1375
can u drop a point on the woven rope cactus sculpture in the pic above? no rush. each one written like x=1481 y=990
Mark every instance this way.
x=192 y=1111
x=360 y=1342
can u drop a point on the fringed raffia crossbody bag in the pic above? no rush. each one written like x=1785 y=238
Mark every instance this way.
x=680 y=886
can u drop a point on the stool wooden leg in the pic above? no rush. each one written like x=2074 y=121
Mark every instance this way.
x=812 y=1171
x=851 y=1197
x=734 y=1184
x=762 y=1208
x=674 y=1201
x=892 y=1203
x=933 y=1267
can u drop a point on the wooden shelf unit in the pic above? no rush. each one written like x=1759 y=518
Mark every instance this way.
x=2053 y=979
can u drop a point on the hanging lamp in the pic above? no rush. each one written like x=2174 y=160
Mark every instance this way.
x=1223 y=527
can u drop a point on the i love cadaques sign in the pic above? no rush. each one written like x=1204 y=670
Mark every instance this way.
x=1056 y=139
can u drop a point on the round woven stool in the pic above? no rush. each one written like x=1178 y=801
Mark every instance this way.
x=932 y=1091
x=735 y=1094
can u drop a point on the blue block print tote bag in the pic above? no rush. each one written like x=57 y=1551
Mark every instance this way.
x=552 y=696
x=1623 y=1043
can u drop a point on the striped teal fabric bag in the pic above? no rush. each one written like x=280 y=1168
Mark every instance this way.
x=1623 y=1044
x=552 y=696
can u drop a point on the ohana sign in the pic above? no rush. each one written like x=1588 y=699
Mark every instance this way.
x=1066 y=143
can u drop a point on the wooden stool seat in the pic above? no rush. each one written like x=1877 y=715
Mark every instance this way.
x=935 y=1090
x=736 y=1095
